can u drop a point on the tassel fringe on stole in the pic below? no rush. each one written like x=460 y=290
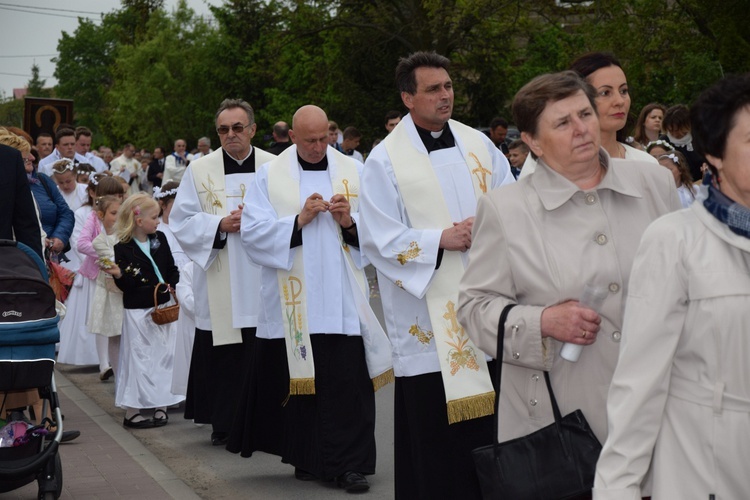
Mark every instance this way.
x=383 y=379
x=471 y=407
x=306 y=386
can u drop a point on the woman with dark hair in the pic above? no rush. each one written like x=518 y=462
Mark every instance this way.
x=648 y=126
x=679 y=402
x=538 y=242
x=604 y=73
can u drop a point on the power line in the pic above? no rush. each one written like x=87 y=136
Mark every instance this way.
x=2 y=7
x=32 y=55
x=26 y=76
x=50 y=8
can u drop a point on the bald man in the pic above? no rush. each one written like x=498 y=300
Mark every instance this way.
x=280 y=138
x=300 y=224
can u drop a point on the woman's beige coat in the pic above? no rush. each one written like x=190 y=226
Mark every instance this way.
x=536 y=243
x=681 y=390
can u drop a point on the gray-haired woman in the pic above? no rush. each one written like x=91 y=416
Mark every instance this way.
x=536 y=243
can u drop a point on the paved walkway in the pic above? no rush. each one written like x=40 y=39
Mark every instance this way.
x=106 y=461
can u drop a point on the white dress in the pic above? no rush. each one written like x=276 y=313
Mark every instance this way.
x=185 y=331
x=145 y=364
x=77 y=345
x=105 y=315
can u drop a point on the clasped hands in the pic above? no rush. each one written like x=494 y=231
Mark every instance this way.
x=338 y=207
x=457 y=237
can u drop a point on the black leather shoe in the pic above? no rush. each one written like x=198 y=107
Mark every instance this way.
x=66 y=437
x=219 y=438
x=353 y=482
x=303 y=475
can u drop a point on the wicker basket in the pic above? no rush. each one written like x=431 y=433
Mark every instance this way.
x=166 y=314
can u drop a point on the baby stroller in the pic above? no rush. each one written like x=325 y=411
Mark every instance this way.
x=28 y=333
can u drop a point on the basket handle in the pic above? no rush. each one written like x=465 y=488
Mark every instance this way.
x=169 y=289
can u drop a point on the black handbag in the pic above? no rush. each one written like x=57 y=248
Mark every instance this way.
x=556 y=462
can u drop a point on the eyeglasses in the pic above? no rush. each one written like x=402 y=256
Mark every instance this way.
x=237 y=128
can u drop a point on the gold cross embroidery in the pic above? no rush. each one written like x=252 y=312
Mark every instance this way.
x=212 y=199
x=241 y=196
x=451 y=316
x=349 y=195
x=480 y=172
x=295 y=292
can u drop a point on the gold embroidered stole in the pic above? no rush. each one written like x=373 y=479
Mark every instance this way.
x=283 y=192
x=468 y=386
x=208 y=177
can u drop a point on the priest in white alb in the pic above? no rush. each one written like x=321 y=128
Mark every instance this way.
x=320 y=352
x=420 y=189
x=205 y=219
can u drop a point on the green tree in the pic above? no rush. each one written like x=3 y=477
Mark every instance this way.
x=11 y=111
x=35 y=86
x=164 y=86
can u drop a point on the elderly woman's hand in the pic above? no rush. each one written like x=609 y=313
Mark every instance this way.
x=570 y=322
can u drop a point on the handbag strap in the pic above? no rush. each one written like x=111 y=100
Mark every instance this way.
x=499 y=370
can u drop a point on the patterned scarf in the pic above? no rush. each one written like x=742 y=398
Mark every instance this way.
x=731 y=213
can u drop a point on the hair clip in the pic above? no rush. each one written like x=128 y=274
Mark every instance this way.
x=137 y=210
x=92 y=179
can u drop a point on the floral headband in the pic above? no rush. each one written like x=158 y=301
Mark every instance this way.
x=159 y=194
x=666 y=145
x=92 y=179
x=137 y=210
x=672 y=157
x=60 y=166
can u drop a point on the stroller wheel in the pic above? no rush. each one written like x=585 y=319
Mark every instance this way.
x=53 y=495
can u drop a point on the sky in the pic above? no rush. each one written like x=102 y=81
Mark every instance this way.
x=30 y=30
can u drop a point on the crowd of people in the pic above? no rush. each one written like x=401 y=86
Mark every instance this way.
x=265 y=250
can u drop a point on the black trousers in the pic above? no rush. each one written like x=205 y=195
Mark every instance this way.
x=215 y=379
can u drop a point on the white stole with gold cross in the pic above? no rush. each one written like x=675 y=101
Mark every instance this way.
x=468 y=387
x=218 y=195
x=284 y=195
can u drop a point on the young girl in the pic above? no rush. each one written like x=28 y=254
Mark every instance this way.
x=677 y=164
x=64 y=175
x=143 y=259
x=83 y=173
x=658 y=148
x=165 y=196
x=77 y=345
x=105 y=317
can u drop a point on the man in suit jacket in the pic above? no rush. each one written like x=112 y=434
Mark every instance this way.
x=156 y=167
x=19 y=220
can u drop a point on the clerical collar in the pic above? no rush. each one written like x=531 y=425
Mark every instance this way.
x=306 y=165
x=240 y=162
x=246 y=165
x=443 y=140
